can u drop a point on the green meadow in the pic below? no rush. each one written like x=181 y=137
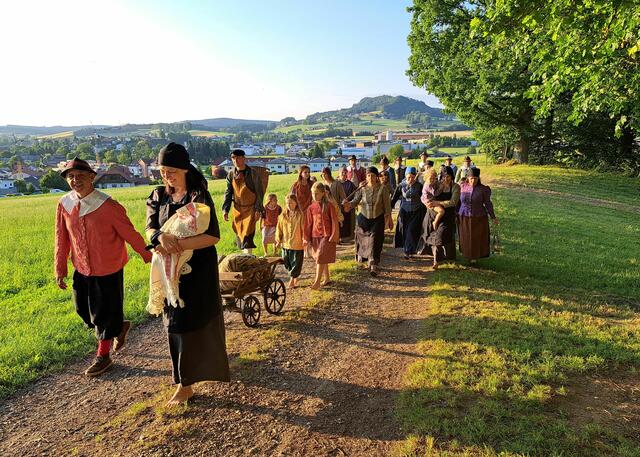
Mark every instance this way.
x=39 y=329
x=366 y=123
x=510 y=347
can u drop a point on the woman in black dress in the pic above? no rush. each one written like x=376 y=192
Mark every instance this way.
x=441 y=243
x=196 y=331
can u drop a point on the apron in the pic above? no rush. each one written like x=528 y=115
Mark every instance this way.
x=243 y=214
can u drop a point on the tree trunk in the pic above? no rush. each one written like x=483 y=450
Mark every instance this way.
x=521 y=151
x=522 y=146
x=625 y=142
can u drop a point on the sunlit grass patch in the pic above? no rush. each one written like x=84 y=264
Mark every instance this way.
x=502 y=343
x=497 y=350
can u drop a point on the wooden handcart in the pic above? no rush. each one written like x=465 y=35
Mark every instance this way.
x=249 y=285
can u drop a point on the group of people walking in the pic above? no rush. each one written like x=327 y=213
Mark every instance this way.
x=93 y=228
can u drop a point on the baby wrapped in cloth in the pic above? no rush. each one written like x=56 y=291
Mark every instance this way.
x=191 y=219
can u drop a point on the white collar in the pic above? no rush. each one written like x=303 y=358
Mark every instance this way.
x=88 y=204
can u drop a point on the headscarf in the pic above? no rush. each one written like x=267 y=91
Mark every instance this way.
x=176 y=156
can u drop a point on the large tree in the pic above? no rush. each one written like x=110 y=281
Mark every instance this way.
x=52 y=180
x=474 y=75
x=85 y=151
x=585 y=55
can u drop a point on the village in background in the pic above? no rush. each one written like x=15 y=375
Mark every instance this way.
x=125 y=156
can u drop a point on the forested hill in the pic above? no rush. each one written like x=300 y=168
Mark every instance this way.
x=390 y=107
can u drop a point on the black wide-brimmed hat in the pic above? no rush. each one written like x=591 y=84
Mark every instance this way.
x=76 y=164
x=353 y=158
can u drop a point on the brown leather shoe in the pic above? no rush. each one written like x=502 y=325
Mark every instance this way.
x=120 y=340
x=99 y=366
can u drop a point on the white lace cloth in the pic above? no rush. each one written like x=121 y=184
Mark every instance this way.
x=190 y=220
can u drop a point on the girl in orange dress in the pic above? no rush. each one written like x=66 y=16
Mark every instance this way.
x=322 y=233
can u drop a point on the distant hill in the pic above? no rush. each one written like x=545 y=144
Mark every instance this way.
x=38 y=131
x=132 y=129
x=388 y=106
x=383 y=106
x=229 y=123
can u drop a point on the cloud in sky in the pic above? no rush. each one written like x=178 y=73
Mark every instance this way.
x=80 y=62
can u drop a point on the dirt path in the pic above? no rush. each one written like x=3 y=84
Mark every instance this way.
x=326 y=384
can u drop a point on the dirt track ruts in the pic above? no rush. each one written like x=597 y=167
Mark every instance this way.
x=327 y=386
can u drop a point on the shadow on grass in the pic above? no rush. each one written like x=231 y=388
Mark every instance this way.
x=513 y=346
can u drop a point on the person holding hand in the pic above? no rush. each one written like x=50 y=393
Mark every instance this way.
x=93 y=228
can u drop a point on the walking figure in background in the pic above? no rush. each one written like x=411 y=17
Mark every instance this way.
x=411 y=215
x=400 y=170
x=289 y=237
x=93 y=227
x=349 y=217
x=463 y=171
x=441 y=241
x=355 y=173
x=245 y=193
x=475 y=209
x=322 y=233
x=430 y=191
x=269 y=222
x=375 y=214
x=391 y=175
x=302 y=187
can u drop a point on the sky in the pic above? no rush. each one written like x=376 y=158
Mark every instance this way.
x=69 y=62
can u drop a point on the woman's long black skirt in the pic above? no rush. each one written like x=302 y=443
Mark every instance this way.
x=348 y=226
x=369 y=239
x=409 y=230
x=443 y=238
x=200 y=355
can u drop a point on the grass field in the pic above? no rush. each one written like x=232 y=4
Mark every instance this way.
x=57 y=136
x=207 y=133
x=458 y=133
x=510 y=347
x=39 y=329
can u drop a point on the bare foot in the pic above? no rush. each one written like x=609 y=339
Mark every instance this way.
x=291 y=284
x=327 y=282
x=181 y=395
x=316 y=285
x=435 y=265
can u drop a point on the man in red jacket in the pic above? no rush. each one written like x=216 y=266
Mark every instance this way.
x=355 y=173
x=93 y=227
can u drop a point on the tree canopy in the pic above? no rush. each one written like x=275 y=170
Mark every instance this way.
x=551 y=81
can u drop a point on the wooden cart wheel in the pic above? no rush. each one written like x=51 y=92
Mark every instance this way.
x=275 y=295
x=251 y=311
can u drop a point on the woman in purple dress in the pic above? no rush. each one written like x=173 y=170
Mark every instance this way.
x=475 y=209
